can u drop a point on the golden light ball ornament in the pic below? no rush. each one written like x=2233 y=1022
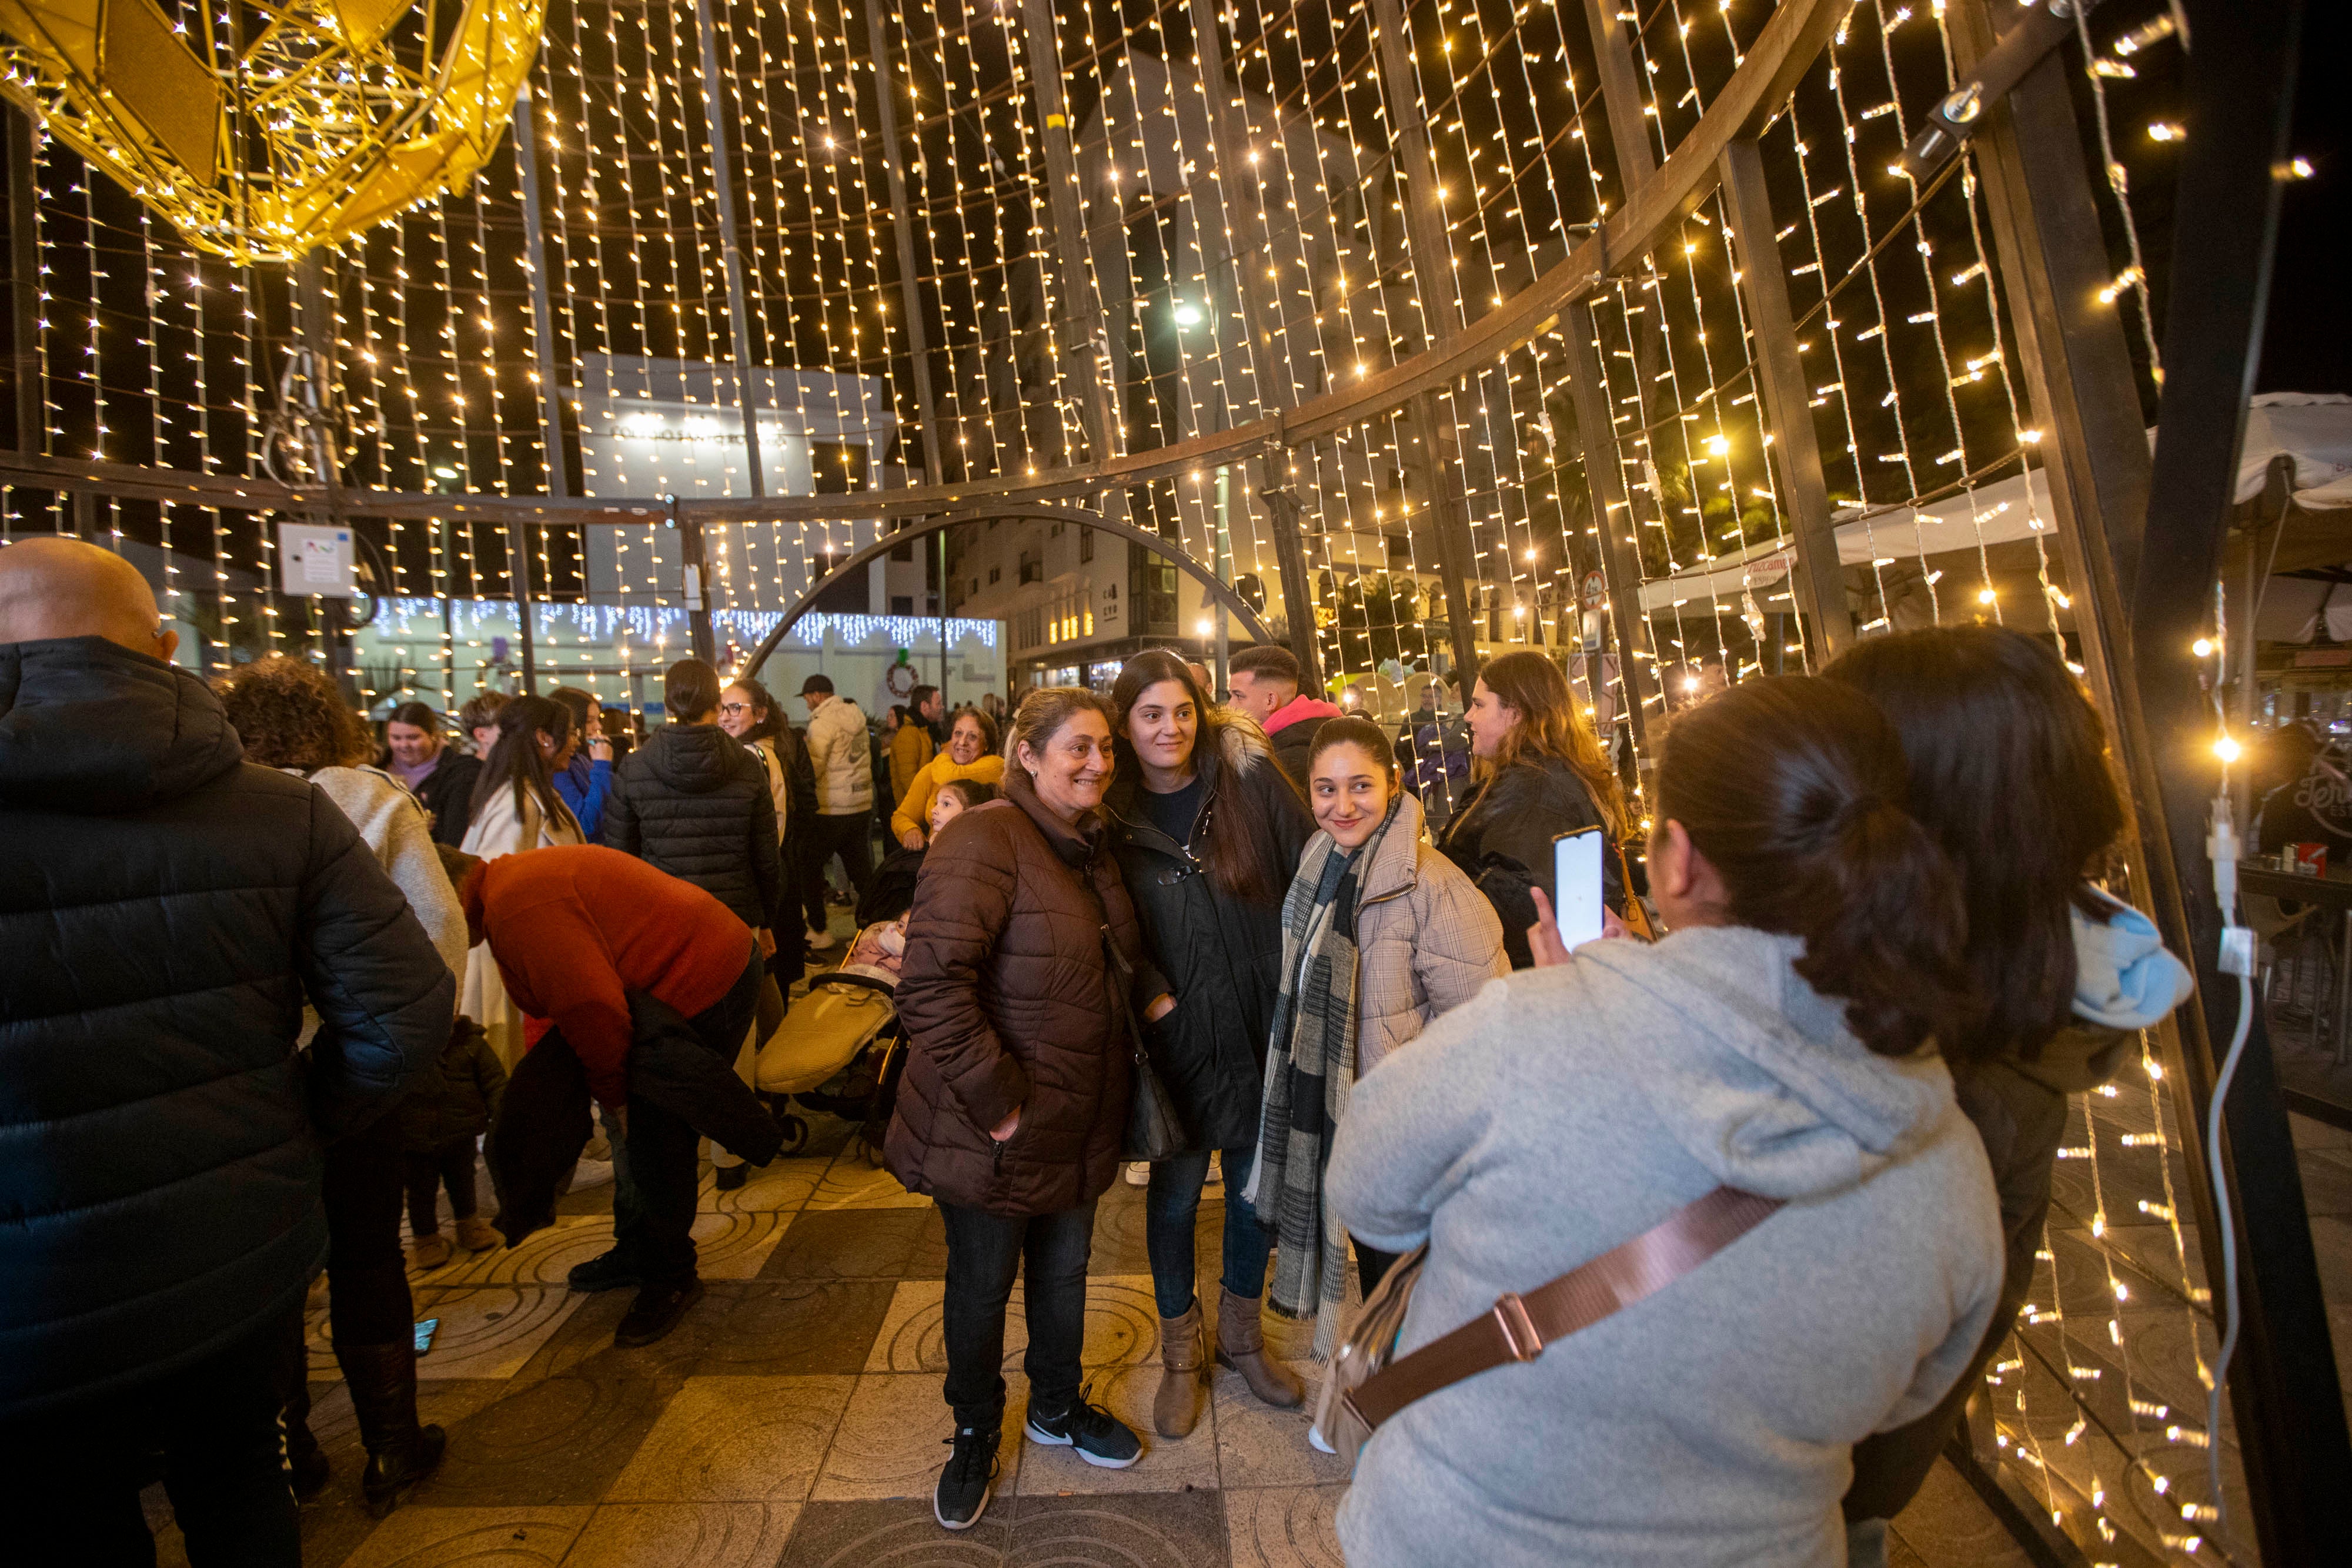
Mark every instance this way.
x=264 y=130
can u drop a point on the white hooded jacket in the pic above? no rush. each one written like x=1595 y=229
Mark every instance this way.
x=1565 y=1110
x=842 y=758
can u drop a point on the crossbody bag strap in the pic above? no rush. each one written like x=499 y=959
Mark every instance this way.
x=1519 y=1327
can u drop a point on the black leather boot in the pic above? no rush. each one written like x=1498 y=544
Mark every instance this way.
x=383 y=1380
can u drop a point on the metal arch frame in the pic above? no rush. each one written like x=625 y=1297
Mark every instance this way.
x=1218 y=589
x=1786 y=47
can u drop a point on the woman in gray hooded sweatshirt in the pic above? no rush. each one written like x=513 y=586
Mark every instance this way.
x=1777 y=1042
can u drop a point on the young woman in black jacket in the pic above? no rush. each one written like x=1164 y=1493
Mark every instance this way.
x=1536 y=773
x=1208 y=831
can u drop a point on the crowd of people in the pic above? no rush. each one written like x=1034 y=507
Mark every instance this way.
x=269 y=985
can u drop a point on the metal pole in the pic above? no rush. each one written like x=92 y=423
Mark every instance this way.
x=1297 y=595
x=911 y=293
x=1227 y=137
x=943 y=616
x=542 y=309
x=1612 y=511
x=2240 y=84
x=1432 y=266
x=697 y=583
x=1819 y=581
x=738 y=314
x=1100 y=409
x=25 y=281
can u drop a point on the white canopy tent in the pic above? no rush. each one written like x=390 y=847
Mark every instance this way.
x=2314 y=430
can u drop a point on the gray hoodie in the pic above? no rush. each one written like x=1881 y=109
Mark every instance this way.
x=1565 y=1110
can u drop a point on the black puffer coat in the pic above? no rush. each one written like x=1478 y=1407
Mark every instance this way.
x=164 y=909
x=454 y=1102
x=691 y=801
x=1222 y=954
x=1502 y=841
x=448 y=793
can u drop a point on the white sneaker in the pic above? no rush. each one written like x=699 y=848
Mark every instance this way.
x=1315 y=1438
x=1139 y=1173
x=818 y=940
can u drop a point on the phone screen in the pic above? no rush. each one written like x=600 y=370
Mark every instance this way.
x=425 y=1334
x=1576 y=877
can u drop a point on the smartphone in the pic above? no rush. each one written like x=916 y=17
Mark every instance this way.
x=1576 y=883
x=425 y=1334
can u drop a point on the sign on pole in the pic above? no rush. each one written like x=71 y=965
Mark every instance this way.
x=315 y=560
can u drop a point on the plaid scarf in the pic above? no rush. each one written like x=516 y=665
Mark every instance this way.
x=1310 y=1067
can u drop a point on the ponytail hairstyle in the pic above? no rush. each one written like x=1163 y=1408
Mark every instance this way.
x=517 y=763
x=1550 y=724
x=2008 y=771
x=1355 y=729
x=1793 y=787
x=1243 y=853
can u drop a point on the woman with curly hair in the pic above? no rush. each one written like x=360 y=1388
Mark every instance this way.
x=292 y=717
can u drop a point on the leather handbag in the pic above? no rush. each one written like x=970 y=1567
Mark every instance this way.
x=1154 y=1131
x=1367 y=1387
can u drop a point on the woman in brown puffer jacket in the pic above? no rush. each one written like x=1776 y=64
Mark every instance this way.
x=1024 y=965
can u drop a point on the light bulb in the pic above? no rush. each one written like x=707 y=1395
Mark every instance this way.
x=2227 y=748
x=2202 y=648
x=1187 y=314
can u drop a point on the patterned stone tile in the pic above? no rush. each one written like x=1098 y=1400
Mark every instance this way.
x=424 y=1537
x=1284 y=1527
x=855 y=1244
x=1140 y=1530
x=685 y=1535
x=1122 y=1326
x=894 y=1439
x=1949 y=1526
x=736 y=1440
x=490 y=1330
x=558 y=1439
x=332 y=1423
x=733 y=1244
x=901 y=1534
x=798 y=1327
x=851 y=1183
x=1168 y=1464
x=583 y=1346
x=782 y=1186
x=1119 y=1244
x=544 y=1257
x=1260 y=1445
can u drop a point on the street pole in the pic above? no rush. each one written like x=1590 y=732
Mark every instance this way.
x=738 y=314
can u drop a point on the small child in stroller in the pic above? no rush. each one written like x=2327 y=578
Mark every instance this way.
x=837 y=1049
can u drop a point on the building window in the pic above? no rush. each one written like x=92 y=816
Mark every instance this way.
x=838 y=467
x=905 y=552
x=994 y=573
x=1085 y=544
x=975 y=584
x=902 y=604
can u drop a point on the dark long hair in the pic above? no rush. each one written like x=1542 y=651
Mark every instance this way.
x=516 y=762
x=766 y=717
x=2008 y=771
x=1793 y=788
x=1243 y=853
x=1550 y=724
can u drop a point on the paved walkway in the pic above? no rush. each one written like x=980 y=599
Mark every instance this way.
x=794 y=1417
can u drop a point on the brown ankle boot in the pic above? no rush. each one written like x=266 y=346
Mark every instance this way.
x=1241 y=1344
x=1183 y=1376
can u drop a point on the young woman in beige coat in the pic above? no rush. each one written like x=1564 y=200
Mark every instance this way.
x=1381 y=933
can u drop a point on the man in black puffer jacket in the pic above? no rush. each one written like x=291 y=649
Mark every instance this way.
x=691 y=801
x=165 y=909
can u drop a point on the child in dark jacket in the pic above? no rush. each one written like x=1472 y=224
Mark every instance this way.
x=436 y=1128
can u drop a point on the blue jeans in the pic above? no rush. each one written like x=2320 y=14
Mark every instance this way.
x=1169 y=1206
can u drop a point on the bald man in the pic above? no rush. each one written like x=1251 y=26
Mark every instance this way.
x=166 y=910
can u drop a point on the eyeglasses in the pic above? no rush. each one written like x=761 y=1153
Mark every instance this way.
x=735 y=708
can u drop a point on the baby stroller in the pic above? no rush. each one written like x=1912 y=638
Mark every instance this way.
x=837 y=1049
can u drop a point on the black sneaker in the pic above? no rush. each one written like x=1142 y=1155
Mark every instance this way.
x=1092 y=1430
x=727 y=1178
x=654 y=1312
x=969 y=1479
x=605 y=1271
